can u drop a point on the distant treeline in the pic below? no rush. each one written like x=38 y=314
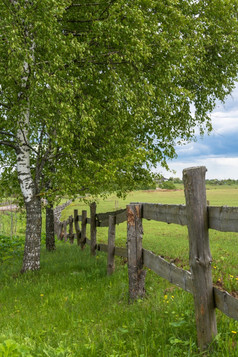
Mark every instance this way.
x=171 y=183
x=229 y=182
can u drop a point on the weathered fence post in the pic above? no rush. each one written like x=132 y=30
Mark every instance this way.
x=65 y=231
x=57 y=228
x=199 y=254
x=83 y=229
x=93 y=229
x=111 y=245
x=76 y=226
x=61 y=230
x=134 y=248
x=71 y=234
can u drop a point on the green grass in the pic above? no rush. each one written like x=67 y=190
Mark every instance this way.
x=72 y=308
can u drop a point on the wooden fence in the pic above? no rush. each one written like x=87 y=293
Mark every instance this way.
x=198 y=217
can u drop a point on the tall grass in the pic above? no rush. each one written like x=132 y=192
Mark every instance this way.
x=72 y=308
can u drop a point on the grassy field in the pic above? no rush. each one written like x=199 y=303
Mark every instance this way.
x=71 y=308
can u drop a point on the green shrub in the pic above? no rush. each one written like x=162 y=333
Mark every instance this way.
x=168 y=185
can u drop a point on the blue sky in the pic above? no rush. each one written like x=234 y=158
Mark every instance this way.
x=218 y=151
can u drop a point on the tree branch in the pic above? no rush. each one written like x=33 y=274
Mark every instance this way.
x=87 y=4
x=7 y=134
x=4 y=105
x=10 y=144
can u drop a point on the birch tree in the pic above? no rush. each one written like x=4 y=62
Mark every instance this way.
x=103 y=91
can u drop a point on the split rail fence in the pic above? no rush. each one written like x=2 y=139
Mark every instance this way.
x=198 y=217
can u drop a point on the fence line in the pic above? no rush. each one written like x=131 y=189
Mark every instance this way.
x=220 y=218
x=198 y=217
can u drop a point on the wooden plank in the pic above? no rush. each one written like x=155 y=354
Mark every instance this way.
x=168 y=271
x=134 y=246
x=103 y=218
x=165 y=213
x=121 y=216
x=121 y=252
x=102 y=247
x=226 y=303
x=224 y=219
x=111 y=245
x=93 y=229
x=199 y=254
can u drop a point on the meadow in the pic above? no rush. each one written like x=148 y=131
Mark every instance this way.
x=72 y=308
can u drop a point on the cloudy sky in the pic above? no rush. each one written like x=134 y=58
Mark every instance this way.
x=218 y=151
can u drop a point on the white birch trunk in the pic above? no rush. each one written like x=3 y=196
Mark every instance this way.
x=31 y=259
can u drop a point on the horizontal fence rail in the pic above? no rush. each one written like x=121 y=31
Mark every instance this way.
x=219 y=218
x=223 y=219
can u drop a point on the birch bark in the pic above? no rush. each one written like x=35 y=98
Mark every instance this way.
x=31 y=259
x=28 y=185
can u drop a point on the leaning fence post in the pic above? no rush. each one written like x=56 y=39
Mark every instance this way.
x=199 y=254
x=93 y=229
x=83 y=229
x=134 y=247
x=111 y=245
x=76 y=226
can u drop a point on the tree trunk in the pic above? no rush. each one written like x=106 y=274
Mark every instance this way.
x=49 y=229
x=31 y=259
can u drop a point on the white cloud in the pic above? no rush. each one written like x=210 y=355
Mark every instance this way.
x=218 y=151
x=225 y=122
x=217 y=167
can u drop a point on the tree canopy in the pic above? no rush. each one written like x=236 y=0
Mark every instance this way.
x=93 y=94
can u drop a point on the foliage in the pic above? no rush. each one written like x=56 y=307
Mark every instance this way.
x=168 y=185
x=109 y=87
x=216 y=182
x=92 y=95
